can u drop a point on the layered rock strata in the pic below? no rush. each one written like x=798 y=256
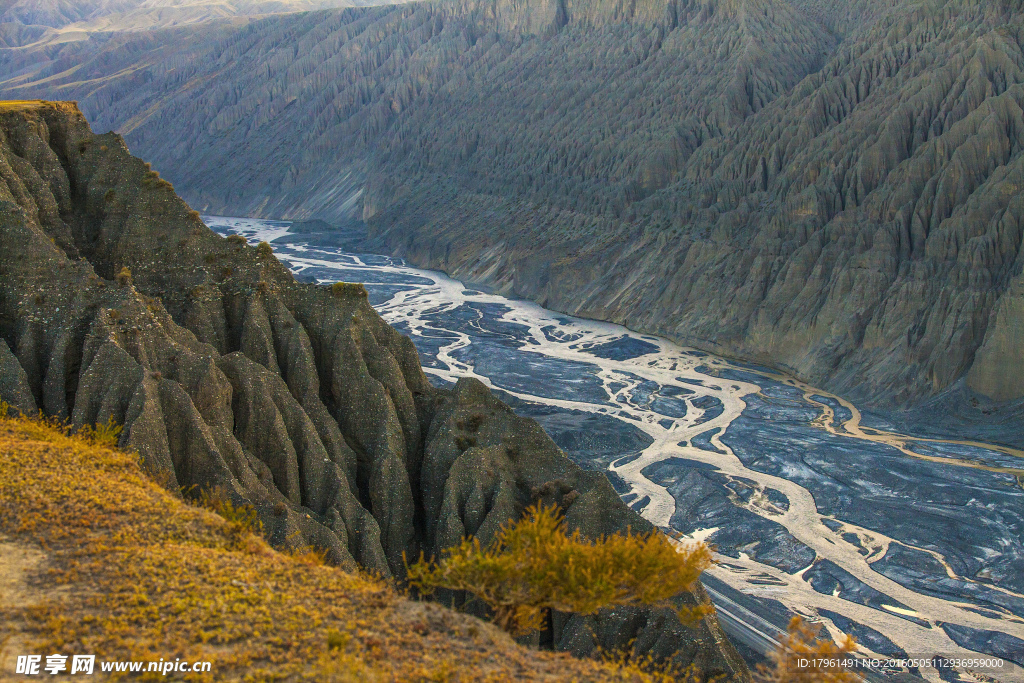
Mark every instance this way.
x=231 y=378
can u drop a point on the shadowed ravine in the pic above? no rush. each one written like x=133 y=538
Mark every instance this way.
x=912 y=543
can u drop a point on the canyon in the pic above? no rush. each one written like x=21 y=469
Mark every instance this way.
x=829 y=189
x=230 y=378
x=816 y=508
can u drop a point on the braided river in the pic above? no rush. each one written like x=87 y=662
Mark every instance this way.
x=914 y=545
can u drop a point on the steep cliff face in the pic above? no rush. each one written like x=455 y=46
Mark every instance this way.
x=863 y=230
x=306 y=103
x=116 y=302
x=831 y=188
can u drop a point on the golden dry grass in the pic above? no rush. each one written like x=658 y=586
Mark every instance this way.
x=804 y=655
x=536 y=564
x=122 y=569
x=33 y=105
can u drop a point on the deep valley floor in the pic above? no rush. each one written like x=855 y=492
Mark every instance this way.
x=911 y=543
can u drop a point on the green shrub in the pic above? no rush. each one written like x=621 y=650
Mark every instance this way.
x=264 y=250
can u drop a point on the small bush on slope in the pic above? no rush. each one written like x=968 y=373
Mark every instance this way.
x=802 y=656
x=133 y=573
x=534 y=565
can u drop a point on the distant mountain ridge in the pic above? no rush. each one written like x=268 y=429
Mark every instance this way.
x=833 y=189
x=45 y=22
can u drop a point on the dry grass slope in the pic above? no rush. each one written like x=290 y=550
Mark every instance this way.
x=117 y=566
x=33 y=105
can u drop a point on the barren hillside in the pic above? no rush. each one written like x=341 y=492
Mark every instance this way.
x=829 y=188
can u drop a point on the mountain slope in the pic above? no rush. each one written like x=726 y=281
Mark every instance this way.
x=350 y=79
x=45 y=22
x=96 y=558
x=858 y=230
x=829 y=189
x=117 y=303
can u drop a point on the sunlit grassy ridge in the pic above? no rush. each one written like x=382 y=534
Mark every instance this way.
x=133 y=573
x=29 y=105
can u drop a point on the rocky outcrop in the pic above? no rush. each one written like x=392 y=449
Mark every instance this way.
x=230 y=377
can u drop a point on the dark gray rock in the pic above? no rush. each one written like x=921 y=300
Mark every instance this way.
x=829 y=188
x=233 y=379
x=14 y=387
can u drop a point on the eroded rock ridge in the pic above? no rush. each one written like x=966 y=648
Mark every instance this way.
x=117 y=302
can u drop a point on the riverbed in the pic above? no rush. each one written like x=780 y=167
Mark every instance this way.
x=912 y=544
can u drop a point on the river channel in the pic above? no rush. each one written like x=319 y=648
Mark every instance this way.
x=912 y=544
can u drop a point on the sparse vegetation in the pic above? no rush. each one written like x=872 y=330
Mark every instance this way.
x=472 y=423
x=346 y=289
x=803 y=655
x=535 y=565
x=104 y=434
x=264 y=250
x=241 y=516
x=30 y=105
x=124 y=276
x=146 y=576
